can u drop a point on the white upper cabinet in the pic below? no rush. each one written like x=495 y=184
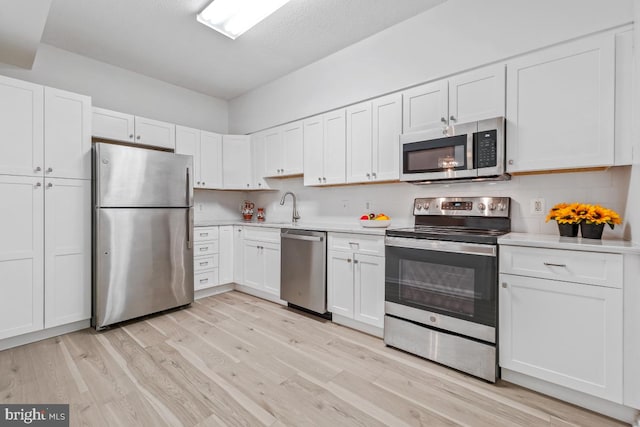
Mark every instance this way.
x=21 y=128
x=210 y=160
x=292 y=143
x=560 y=106
x=155 y=133
x=21 y=254
x=425 y=106
x=126 y=127
x=258 y=160
x=466 y=97
x=624 y=98
x=113 y=125
x=373 y=131
x=313 y=150
x=335 y=141
x=236 y=162
x=67 y=134
x=67 y=263
x=206 y=149
x=283 y=150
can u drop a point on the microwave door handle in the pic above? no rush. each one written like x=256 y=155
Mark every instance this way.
x=471 y=150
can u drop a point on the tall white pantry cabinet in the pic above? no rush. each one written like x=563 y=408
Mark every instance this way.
x=45 y=222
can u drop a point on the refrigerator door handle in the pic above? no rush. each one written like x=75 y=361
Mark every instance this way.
x=190 y=228
x=188 y=188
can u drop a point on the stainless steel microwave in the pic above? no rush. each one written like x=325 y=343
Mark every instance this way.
x=474 y=150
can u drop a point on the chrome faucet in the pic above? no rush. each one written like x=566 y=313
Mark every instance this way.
x=295 y=216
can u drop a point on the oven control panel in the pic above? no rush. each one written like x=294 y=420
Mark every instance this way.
x=462 y=206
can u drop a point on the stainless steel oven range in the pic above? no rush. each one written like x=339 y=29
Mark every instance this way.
x=441 y=282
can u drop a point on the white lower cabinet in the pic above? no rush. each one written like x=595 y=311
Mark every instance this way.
x=565 y=333
x=67 y=237
x=45 y=253
x=238 y=254
x=205 y=257
x=355 y=281
x=225 y=260
x=21 y=255
x=261 y=260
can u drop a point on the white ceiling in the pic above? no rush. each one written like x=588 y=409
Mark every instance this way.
x=161 y=38
x=21 y=25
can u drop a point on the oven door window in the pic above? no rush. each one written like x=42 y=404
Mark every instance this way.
x=454 y=284
x=435 y=155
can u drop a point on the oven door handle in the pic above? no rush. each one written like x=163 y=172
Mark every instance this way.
x=442 y=246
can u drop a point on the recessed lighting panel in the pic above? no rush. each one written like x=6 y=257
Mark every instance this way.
x=233 y=17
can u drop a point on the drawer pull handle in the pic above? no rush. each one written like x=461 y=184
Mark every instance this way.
x=204 y=234
x=204 y=263
x=204 y=280
x=204 y=249
x=550 y=264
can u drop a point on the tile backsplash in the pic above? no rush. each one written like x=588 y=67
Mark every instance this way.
x=347 y=203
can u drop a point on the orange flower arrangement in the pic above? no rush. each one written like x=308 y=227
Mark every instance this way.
x=575 y=213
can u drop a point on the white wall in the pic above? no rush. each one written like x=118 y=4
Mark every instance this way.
x=122 y=90
x=217 y=205
x=608 y=188
x=452 y=37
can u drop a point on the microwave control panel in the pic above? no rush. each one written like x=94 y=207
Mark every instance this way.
x=486 y=149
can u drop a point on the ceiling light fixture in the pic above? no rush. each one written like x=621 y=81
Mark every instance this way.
x=233 y=17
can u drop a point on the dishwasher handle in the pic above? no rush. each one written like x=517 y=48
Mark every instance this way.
x=302 y=237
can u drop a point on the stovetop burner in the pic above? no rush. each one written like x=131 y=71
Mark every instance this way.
x=471 y=219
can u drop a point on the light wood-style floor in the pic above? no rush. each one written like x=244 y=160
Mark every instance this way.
x=233 y=359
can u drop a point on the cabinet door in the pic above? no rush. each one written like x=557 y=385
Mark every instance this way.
x=477 y=95
x=188 y=143
x=253 y=270
x=340 y=283
x=270 y=254
x=359 y=143
x=67 y=267
x=155 y=133
x=560 y=107
x=258 y=160
x=313 y=137
x=274 y=152
x=335 y=148
x=236 y=162
x=425 y=107
x=387 y=127
x=238 y=255
x=21 y=255
x=67 y=134
x=225 y=263
x=565 y=333
x=210 y=160
x=21 y=125
x=369 y=289
x=292 y=144
x=112 y=125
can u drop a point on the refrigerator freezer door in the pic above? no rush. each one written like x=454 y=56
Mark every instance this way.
x=143 y=262
x=137 y=177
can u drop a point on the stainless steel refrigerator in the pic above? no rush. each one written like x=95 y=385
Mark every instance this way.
x=142 y=231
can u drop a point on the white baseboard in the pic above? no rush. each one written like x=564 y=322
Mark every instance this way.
x=596 y=404
x=258 y=293
x=43 y=334
x=215 y=290
x=354 y=324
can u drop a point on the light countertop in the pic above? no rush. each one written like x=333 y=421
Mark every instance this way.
x=315 y=226
x=573 y=243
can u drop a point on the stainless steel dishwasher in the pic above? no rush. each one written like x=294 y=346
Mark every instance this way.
x=303 y=262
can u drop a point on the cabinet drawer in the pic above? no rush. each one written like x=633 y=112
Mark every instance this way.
x=205 y=263
x=361 y=243
x=202 y=249
x=205 y=279
x=601 y=269
x=262 y=234
x=203 y=234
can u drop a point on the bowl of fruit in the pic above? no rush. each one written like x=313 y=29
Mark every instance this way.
x=372 y=220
